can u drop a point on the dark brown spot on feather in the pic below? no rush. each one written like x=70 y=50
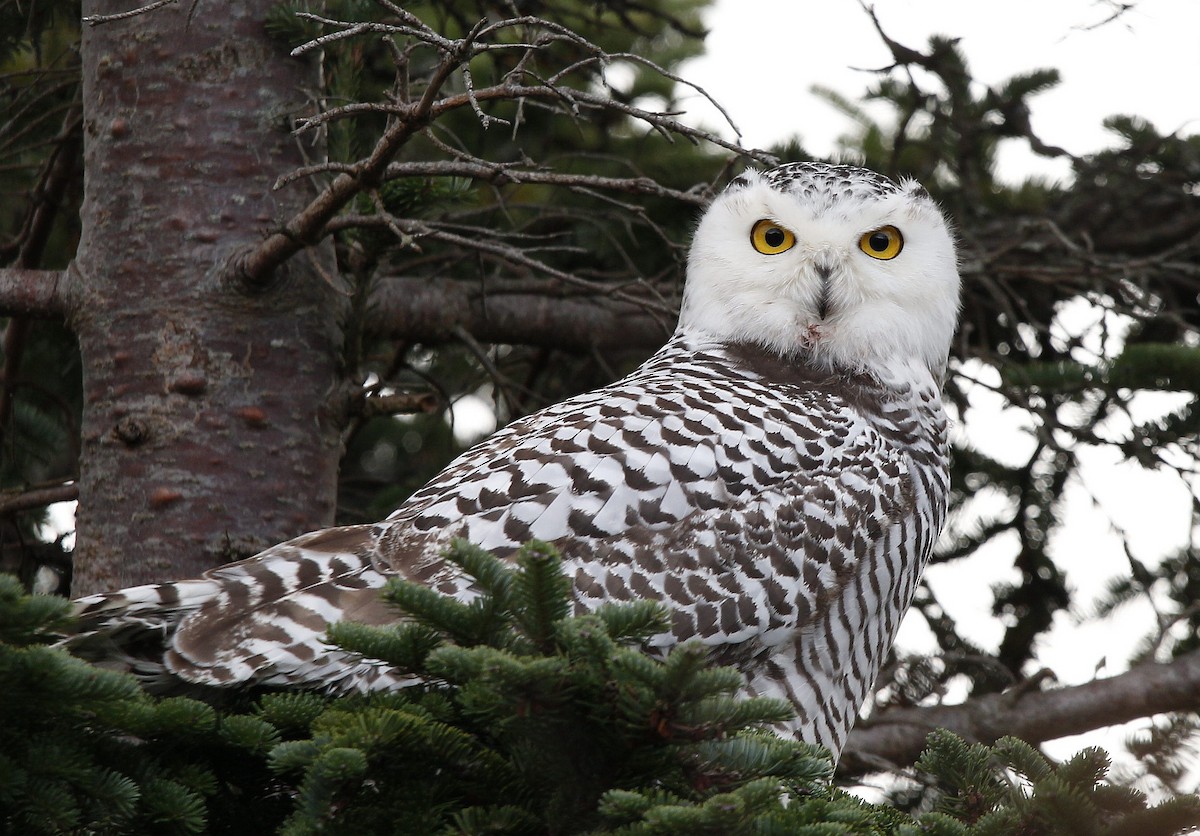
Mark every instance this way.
x=637 y=480
x=700 y=588
x=777 y=596
x=580 y=522
x=652 y=513
x=587 y=585
x=348 y=538
x=674 y=588
x=583 y=483
x=615 y=586
x=682 y=624
x=729 y=616
x=642 y=588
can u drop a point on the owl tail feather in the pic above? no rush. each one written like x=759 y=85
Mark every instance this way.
x=259 y=621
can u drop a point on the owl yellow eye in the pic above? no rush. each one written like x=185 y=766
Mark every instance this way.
x=883 y=243
x=769 y=238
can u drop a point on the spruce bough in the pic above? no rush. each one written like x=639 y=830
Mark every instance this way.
x=522 y=719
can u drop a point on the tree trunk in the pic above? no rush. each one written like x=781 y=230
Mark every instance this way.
x=212 y=415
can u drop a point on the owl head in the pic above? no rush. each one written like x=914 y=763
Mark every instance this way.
x=835 y=263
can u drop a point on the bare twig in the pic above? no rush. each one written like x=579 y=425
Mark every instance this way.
x=678 y=79
x=418 y=230
x=255 y=268
x=407 y=118
x=510 y=173
x=1117 y=10
x=402 y=403
x=508 y=402
x=93 y=20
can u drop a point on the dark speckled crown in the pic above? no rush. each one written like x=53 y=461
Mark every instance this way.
x=823 y=182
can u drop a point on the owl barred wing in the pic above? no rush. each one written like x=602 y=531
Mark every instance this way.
x=677 y=472
x=742 y=580
x=802 y=588
x=697 y=428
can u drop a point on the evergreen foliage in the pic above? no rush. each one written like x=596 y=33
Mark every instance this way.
x=525 y=715
x=85 y=750
x=1012 y=788
x=522 y=719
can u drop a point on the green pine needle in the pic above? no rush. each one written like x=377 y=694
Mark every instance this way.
x=540 y=593
x=30 y=619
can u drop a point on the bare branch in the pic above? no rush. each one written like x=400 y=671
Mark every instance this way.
x=28 y=500
x=406 y=119
x=508 y=172
x=678 y=79
x=348 y=32
x=34 y=293
x=401 y=403
x=255 y=268
x=432 y=312
x=93 y=20
x=663 y=122
x=1117 y=10
x=410 y=231
x=896 y=737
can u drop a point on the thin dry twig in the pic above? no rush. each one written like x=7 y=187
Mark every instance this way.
x=94 y=20
x=407 y=118
x=519 y=256
x=399 y=403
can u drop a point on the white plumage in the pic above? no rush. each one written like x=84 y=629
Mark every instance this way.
x=776 y=475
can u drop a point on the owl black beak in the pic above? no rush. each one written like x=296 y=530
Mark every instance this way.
x=825 y=272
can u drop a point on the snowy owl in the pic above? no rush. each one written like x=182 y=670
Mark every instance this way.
x=775 y=475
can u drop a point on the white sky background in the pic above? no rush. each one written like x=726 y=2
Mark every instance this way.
x=764 y=56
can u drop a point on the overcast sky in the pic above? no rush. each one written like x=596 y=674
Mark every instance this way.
x=764 y=56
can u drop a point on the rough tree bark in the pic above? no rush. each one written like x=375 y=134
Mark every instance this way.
x=212 y=414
